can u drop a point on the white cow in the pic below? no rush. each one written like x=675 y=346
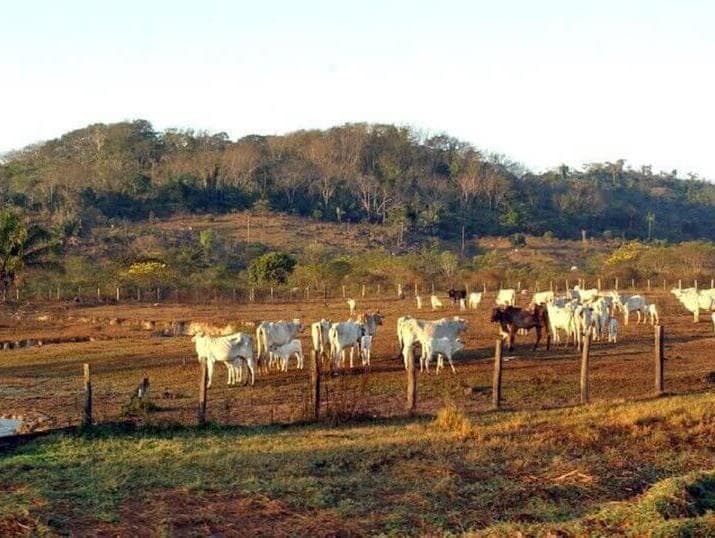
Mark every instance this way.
x=270 y=334
x=371 y=321
x=442 y=347
x=584 y=296
x=634 y=303
x=343 y=335
x=285 y=351
x=506 y=297
x=230 y=350
x=694 y=302
x=542 y=297
x=601 y=314
x=366 y=349
x=583 y=321
x=436 y=303
x=351 y=304
x=561 y=318
x=474 y=299
x=613 y=330
x=411 y=331
x=319 y=336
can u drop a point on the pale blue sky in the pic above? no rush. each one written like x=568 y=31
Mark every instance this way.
x=544 y=82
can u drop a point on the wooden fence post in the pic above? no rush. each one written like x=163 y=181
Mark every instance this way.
x=58 y=293
x=158 y=294
x=649 y=284
x=585 y=358
x=496 y=380
x=99 y=295
x=343 y=291
x=362 y=292
x=633 y=283
x=518 y=285
x=551 y=285
x=484 y=287
x=659 y=358
x=203 y=381
x=378 y=290
x=315 y=384
x=87 y=408
x=680 y=284
x=695 y=284
x=616 y=288
x=411 y=382
x=271 y=293
x=598 y=284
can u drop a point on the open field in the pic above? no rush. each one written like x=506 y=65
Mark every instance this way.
x=383 y=473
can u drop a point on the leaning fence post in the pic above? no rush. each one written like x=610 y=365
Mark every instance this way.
x=659 y=358
x=585 y=359
x=411 y=382
x=315 y=383
x=496 y=380
x=203 y=381
x=87 y=411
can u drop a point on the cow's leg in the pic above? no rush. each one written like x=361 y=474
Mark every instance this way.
x=512 y=335
x=451 y=364
x=537 y=329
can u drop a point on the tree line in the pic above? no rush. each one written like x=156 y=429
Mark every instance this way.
x=427 y=184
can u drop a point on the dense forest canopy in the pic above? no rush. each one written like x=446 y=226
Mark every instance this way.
x=357 y=172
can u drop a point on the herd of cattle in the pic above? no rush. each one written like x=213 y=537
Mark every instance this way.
x=578 y=313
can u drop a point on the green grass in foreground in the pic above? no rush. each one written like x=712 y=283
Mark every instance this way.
x=629 y=468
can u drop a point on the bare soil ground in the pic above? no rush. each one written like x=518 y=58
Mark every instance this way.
x=47 y=380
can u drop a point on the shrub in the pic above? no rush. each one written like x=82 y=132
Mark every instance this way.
x=273 y=267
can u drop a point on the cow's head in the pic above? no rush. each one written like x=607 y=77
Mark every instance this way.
x=497 y=315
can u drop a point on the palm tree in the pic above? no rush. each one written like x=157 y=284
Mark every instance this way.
x=23 y=246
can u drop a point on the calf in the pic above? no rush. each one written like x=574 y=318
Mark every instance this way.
x=436 y=303
x=442 y=347
x=286 y=351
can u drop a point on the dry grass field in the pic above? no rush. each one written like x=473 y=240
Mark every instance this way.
x=260 y=469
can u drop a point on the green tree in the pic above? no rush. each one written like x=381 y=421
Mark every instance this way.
x=273 y=267
x=23 y=246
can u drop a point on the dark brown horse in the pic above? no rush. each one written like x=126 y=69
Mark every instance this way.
x=511 y=319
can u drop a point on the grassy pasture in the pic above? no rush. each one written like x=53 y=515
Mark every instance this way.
x=259 y=469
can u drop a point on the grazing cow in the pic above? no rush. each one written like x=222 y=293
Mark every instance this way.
x=286 y=351
x=436 y=303
x=230 y=350
x=366 y=349
x=511 y=318
x=343 y=335
x=419 y=302
x=506 y=297
x=542 y=297
x=442 y=347
x=612 y=330
x=474 y=299
x=351 y=304
x=456 y=295
x=319 y=335
x=561 y=318
x=270 y=334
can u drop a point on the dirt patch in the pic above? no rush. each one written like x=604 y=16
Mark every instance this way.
x=184 y=513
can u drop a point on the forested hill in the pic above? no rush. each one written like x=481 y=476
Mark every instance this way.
x=356 y=172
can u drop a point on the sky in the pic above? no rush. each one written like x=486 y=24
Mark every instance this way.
x=544 y=83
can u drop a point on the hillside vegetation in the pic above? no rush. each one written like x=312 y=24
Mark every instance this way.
x=385 y=174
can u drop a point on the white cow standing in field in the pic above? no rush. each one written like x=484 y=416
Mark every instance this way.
x=230 y=350
x=561 y=318
x=634 y=303
x=435 y=302
x=343 y=335
x=506 y=297
x=695 y=301
x=411 y=331
x=270 y=334
x=285 y=351
x=319 y=335
x=474 y=299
